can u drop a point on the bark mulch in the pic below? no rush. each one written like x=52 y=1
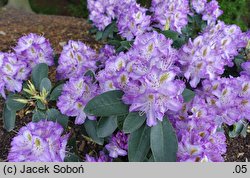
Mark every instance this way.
x=58 y=29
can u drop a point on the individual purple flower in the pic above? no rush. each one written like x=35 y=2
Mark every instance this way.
x=102 y=12
x=12 y=73
x=75 y=60
x=133 y=21
x=101 y=158
x=199 y=5
x=34 y=49
x=75 y=95
x=118 y=145
x=206 y=56
x=211 y=12
x=39 y=142
x=170 y=14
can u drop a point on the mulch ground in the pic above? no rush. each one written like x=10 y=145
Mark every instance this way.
x=238 y=149
x=60 y=29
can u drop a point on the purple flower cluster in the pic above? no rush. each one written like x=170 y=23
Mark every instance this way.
x=75 y=60
x=197 y=134
x=227 y=98
x=199 y=5
x=146 y=73
x=102 y=12
x=206 y=56
x=12 y=73
x=131 y=17
x=118 y=145
x=133 y=21
x=16 y=67
x=199 y=141
x=75 y=95
x=39 y=142
x=170 y=14
x=210 y=10
x=34 y=49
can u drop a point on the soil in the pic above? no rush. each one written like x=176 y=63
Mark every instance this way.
x=60 y=29
x=238 y=149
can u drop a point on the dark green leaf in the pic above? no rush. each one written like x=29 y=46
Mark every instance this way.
x=56 y=92
x=72 y=143
x=121 y=49
x=71 y=157
x=237 y=129
x=178 y=39
x=98 y=35
x=109 y=30
x=163 y=142
x=120 y=121
x=106 y=126
x=14 y=105
x=107 y=104
x=126 y=44
x=9 y=118
x=56 y=116
x=238 y=61
x=93 y=30
x=170 y=34
x=56 y=58
x=40 y=105
x=179 y=42
x=38 y=115
x=39 y=72
x=139 y=144
x=133 y=122
x=115 y=43
x=243 y=133
x=188 y=95
x=151 y=159
x=91 y=129
x=46 y=84
x=91 y=74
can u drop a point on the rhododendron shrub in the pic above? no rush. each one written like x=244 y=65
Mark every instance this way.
x=165 y=84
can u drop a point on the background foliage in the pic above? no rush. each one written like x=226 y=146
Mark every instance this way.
x=236 y=12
